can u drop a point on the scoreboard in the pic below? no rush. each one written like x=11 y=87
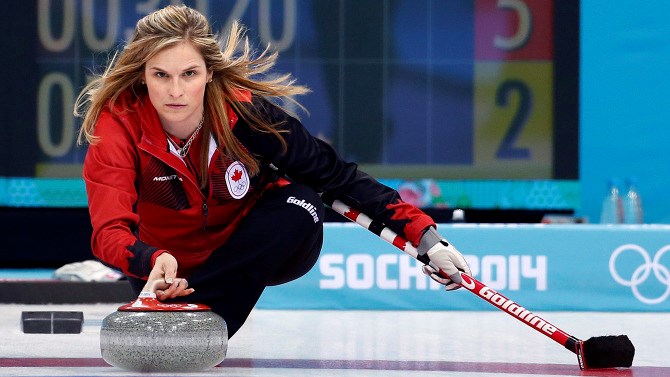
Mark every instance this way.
x=453 y=89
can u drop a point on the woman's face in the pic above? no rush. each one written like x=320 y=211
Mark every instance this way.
x=176 y=79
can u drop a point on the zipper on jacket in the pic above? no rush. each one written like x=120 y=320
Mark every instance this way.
x=187 y=177
x=205 y=211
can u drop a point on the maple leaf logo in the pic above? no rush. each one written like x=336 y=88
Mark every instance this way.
x=351 y=214
x=237 y=175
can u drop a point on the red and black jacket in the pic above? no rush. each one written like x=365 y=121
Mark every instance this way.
x=144 y=201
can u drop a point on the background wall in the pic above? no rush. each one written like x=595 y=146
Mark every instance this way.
x=625 y=75
x=625 y=50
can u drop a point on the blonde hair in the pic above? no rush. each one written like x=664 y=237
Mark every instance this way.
x=234 y=65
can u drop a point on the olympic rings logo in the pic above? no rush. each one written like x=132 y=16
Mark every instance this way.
x=643 y=272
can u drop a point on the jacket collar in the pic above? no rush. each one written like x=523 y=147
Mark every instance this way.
x=153 y=134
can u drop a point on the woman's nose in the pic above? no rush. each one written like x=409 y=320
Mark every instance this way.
x=175 y=89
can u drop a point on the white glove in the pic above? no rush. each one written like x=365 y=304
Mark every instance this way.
x=443 y=256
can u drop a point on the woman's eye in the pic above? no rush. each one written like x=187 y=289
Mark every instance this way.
x=160 y=74
x=189 y=73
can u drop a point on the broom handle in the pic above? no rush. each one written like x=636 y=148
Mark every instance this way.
x=470 y=283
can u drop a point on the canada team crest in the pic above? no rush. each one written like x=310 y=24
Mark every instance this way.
x=237 y=180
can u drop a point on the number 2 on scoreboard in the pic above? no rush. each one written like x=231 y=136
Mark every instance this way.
x=508 y=147
x=513 y=119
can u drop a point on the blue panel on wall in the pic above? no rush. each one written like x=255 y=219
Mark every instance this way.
x=624 y=102
x=541 y=267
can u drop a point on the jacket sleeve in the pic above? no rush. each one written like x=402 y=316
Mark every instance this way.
x=314 y=162
x=109 y=174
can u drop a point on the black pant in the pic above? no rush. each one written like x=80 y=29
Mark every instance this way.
x=278 y=241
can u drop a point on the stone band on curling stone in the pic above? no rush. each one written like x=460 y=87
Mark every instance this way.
x=147 y=335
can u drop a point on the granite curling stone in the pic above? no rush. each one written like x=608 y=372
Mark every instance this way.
x=147 y=335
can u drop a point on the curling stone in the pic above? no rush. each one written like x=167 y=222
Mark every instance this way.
x=148 y=335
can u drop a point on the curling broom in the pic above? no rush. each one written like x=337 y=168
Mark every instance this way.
x=597 y=352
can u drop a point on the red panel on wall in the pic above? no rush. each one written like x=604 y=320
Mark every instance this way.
x=514 y=29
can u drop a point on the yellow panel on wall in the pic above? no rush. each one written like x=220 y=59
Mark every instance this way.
x=513 y=118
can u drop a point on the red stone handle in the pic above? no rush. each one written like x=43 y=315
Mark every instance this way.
x=147 y=302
